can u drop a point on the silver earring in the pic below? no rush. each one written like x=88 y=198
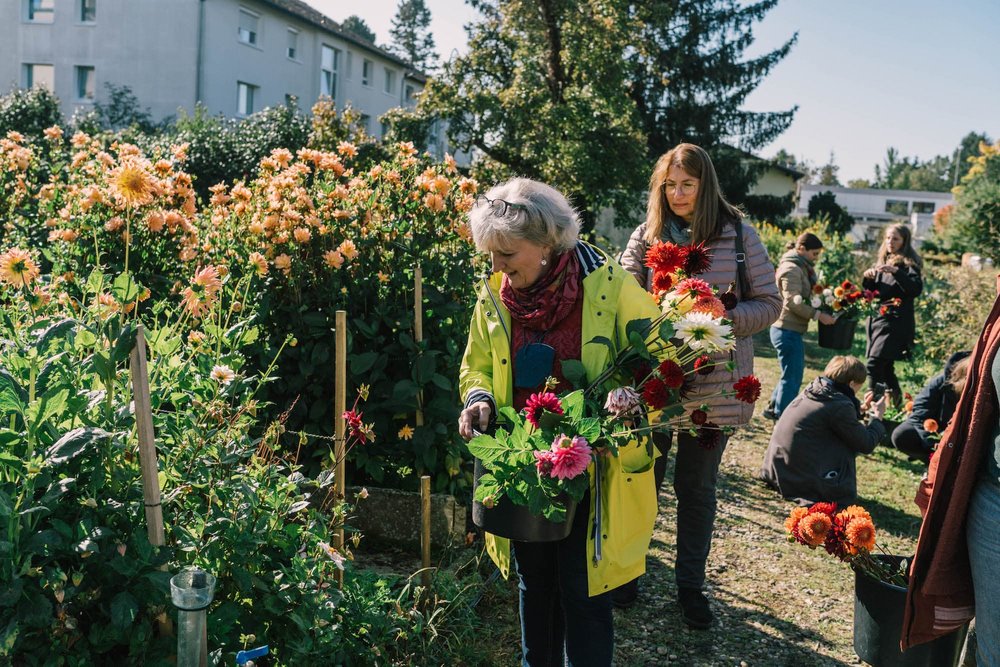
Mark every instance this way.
x=544 y=261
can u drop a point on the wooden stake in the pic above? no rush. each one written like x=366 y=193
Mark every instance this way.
x=425 y=529
x=340 y=428
x=418 y=328
x=147 y=444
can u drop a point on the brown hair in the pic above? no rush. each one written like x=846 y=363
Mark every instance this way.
x=907 y=255
x=959 y=374
x=843 y=369
x=710 y=210
x=807 y=240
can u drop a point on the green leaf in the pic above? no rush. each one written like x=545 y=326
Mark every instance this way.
x=424 y=368
x=666 y=330
x=53 y=332
x=573 y=405
x=487 y=449
x=575 y=372
x=124 y=609
x=603 y=340
x=589 y=428
x=73 y=444
x=639 y=327
x=639 y=346
x=486 y=486
x=125 y=288
x=124 y=344
x=50 y=405
x=510 y=414
x=362 y=363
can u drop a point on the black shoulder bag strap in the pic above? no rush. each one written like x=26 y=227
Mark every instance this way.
x=746 y=289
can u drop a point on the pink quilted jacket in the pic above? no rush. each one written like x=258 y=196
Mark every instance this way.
x=750 y=316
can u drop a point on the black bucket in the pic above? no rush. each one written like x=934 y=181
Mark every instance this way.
x=878 y=625
x=515 y=522
x=839 y=335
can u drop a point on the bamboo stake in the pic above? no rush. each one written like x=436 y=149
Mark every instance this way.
x=425 y=530
x=418 y=328
x=340 y=428
x=147 y=455
x=147 y=444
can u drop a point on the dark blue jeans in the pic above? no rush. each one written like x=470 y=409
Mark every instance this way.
x=792 y=359
x=560 y=623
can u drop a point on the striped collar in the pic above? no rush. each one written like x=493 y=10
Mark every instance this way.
x=590 y=258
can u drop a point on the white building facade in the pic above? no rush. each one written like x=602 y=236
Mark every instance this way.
x=873 y=209
x=234 y=56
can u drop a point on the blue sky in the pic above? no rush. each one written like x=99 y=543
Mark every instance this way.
x=866 y=74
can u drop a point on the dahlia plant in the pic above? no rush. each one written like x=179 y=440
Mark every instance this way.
x=848 y=534
x=540 y=457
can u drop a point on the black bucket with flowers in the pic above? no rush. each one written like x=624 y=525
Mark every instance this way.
x=848 y=304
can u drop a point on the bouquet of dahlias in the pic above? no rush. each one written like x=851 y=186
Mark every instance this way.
x=844 y=300
x=848 y=534
x=540 y=456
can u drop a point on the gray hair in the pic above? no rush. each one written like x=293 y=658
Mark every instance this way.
x=547 y=218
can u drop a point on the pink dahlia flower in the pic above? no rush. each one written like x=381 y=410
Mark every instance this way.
x=570 y=456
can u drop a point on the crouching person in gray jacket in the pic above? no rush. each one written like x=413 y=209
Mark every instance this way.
x=816 y=439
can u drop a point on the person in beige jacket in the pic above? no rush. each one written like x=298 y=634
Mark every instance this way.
x=796 y=278
x=686 y=206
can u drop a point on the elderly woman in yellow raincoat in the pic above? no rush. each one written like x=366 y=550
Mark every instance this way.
x=547 y=288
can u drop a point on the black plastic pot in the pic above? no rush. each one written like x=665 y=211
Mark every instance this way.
x=878 y=625
x=839 y=335
x=515 y=522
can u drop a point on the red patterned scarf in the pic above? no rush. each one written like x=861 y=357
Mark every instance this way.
x=542 y=305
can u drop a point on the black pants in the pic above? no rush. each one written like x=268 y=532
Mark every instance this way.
x=561 y=624
x=696 y=472
x=881 y=371
x=907 y=439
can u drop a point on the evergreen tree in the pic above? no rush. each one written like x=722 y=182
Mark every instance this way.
x=357 y=25
x=689 y=79
x=411 y=35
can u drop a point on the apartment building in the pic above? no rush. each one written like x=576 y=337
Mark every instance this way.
x=234 y=56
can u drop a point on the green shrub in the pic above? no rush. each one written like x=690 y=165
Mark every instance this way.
x=29 y=112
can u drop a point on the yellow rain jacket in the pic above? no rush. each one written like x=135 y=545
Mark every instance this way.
x=612 y=298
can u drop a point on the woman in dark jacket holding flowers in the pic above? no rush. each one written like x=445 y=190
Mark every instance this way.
x=891 y=329
x=548 y=295
x=686 y=207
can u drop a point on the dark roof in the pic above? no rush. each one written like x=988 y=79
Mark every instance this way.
x=320 y=20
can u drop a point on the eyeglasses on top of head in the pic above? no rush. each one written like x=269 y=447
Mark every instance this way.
x=499 y=207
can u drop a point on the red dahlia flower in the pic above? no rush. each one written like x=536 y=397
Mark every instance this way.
x=708 y=435
x=672 y=374
x=662 y=281
x=664 y=257
x=747 y=389
x=655 y=393
x=539 y=403
x=704 y=365
x=696 y=259
x=699 y=417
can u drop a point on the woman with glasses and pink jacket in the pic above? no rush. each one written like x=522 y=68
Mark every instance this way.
x=686 y=206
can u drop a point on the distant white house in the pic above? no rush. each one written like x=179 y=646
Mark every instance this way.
x=873 y=209
x=234 y=56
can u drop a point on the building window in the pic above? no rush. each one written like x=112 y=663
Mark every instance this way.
x=390 y=80
x=245 y=93
x=41 y=11
x=248 y=27
x=408 y=94
x=366 y=123
x=897 y=207
x=349 y=67
x=384 y=127
x=39 y=75
x=293 y=43
x=329 y=61
x=88 y=11
x=923 y=207
x=366 y=72
x=85 y=83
